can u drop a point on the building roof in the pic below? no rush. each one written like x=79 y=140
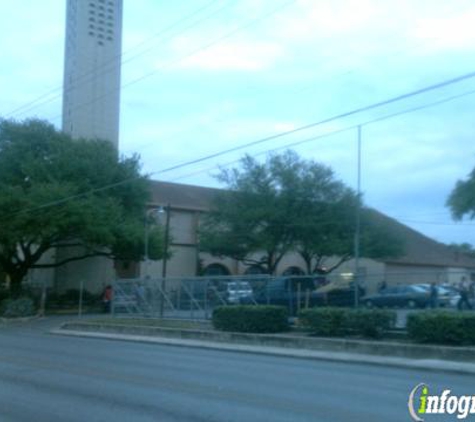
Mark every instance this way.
x=418 y=248
x=180 y=196
x=422 y=250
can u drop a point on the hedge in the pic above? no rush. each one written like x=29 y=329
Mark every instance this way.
x=442 y=327
x=372 y=323
x=21 y=307
x=251 y=319
x=323 y=321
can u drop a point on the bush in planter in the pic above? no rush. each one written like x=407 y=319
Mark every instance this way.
x=20 y=307
x=324 y=321
x=439 y=327
x=370 y=323
x=251 y=318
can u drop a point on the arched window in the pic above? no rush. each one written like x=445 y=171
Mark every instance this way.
x=216 y=270
x=293 y=271
x=254 y=270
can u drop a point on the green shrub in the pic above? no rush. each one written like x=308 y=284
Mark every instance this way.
x=324 y=321
x=21 y=307
x=439 y=327
x=370 y=323
x=251 y=319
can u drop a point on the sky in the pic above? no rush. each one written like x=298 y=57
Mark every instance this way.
x=203 y=76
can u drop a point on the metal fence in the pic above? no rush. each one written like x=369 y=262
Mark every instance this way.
x=196 y=298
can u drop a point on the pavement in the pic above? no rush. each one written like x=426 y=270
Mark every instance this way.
x=335 y=356
x=46 y=377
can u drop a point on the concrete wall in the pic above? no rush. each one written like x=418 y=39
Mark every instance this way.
x=413 y=274
x=95 y=273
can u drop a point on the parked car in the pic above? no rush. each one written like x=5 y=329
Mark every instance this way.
x=454 y=294
x=237 y=291
x=412 y=296
x=284 y=291
x=339 y=292
x=444 y=295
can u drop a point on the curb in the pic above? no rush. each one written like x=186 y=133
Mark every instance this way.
x=435 y=365
x=20 y=319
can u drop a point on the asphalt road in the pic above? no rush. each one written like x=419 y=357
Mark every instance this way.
x=53 y=378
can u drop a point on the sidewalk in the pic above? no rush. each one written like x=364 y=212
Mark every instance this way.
x=173 y=339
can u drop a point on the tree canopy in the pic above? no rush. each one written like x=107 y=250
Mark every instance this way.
x=59 y=193
x=463 y=248
x=288 y=204
x=461 y=200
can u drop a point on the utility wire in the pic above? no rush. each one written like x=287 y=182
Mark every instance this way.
x=371 y=106
x=335 y=132
x=81 y=78
x=190 y=54
x=337 y=117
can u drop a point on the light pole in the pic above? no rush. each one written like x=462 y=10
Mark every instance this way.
x=358 y=224
x=165 y=255
x=148 y=214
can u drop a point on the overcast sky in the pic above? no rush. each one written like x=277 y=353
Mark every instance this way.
x=238 y=71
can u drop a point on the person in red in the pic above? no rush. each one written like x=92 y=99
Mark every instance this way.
x=107 y=298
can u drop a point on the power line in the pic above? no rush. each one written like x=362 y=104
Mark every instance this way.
x=437 y=223
x=32 y=104
x=190 y=54
x=321 y=122
x=335 y=132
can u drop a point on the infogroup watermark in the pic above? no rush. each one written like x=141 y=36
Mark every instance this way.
x=422 y=403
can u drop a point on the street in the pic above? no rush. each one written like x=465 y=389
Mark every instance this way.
x=54 y=378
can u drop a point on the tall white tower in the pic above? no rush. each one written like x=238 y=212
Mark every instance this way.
x=91 y=103
x=91 y=89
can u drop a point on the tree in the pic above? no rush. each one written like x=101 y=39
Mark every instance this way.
x=289 y=204
x=59 y=194
x=463 y=248
x=461 y=200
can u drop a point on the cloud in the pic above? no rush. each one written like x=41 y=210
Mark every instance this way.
x=234 y=56
x=446 y=33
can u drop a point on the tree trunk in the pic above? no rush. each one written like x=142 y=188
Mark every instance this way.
x=16 y=279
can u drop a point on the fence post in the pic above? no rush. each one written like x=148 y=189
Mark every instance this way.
x=299 y=293
x=192 y=296
x=81 y=288
x=43 y=299
x=206 y=300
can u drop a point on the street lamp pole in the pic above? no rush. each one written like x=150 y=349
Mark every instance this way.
x=148 y=213
x=145 y=270
x=358 y=224
x=166 y=241
x=165 y=258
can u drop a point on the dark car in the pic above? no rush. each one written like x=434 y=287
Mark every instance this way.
x=291 y=292
x=399 y=296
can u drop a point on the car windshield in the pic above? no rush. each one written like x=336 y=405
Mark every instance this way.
x=419 y=289
x=243 y=285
